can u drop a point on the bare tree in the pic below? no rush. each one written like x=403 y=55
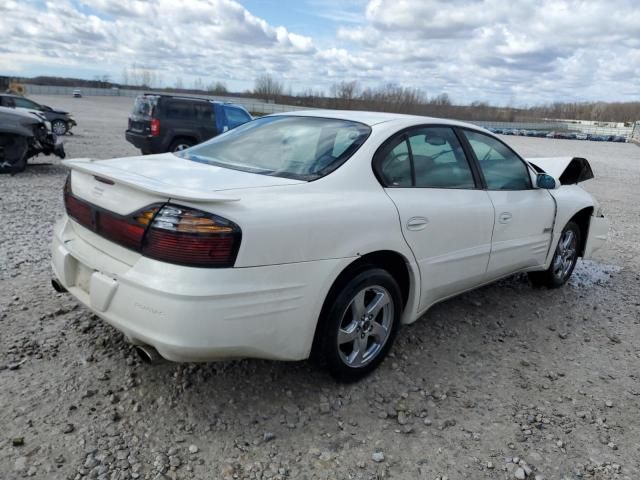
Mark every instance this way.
x=217 y=87
x=441 y=99
x=267 y=87
x=345 y=92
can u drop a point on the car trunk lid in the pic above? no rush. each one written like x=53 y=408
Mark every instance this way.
x=128 y=185
x=169 y=176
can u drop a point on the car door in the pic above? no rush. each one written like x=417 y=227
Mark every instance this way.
x=445 y=217
x=524 y=215
x=235 y=116
x=205 y=119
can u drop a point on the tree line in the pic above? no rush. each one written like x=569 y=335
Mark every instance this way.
x=351 y=95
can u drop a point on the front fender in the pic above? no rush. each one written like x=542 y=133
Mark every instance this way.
x=570 y=200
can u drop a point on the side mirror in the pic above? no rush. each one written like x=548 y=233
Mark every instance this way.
x=546 y=181
x=44 y=108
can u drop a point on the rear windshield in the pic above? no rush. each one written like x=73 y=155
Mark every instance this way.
x=143 y=106
x=304 y=148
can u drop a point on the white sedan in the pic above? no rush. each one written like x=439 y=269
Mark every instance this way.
x=318 y=232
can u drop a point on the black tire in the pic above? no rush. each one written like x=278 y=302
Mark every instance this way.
x=181 y=143
x=14 y=151
x=375 y=331
x=563 y=262
x=59 y=127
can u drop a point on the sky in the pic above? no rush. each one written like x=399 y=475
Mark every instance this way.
x=518 y=52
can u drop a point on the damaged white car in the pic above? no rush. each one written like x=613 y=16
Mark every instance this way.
x=315 y=233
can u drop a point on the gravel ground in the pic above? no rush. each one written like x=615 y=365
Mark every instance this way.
x=503 y=382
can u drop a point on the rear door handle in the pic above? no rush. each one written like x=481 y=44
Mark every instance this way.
x=505 y=217
x=417 y=223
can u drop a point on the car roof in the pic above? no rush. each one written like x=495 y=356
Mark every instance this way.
x=188 y=97
x=374 y=118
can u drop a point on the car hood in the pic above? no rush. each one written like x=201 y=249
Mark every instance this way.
x=174 y=177
x=568 y=170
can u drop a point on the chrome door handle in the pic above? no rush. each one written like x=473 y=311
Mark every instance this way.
x=417 y=223
x=505 y=217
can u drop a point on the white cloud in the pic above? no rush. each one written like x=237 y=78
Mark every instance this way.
x=522 y=51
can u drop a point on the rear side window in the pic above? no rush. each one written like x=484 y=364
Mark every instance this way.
x=439 y=160
x=179 y=111
x=236 y=116
x=204 y=111
x=501 y=167
x=395 y=166
x=425 y=157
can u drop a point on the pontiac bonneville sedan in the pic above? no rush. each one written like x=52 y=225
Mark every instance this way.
x=315 y=233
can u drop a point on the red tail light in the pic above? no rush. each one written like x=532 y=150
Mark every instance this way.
x=169 y=233
x=155 y=127
x=189 y=237
x=126 y=231
x=77 y=209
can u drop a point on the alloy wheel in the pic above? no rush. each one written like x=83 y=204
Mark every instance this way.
x=565 y=255
x=365 y=327
x=59 y=127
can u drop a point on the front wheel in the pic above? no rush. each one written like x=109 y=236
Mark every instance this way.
x=59 y=127
x=359 y=324
x=564 y=260
x=13 y=153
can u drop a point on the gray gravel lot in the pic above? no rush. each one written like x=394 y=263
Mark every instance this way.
x=503 y=382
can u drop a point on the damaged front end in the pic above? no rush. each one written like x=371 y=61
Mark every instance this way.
x=23 y=136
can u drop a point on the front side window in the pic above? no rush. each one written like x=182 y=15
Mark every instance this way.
x=236 y=117
x=24 y=103
x=302 y=148
x=501 y=167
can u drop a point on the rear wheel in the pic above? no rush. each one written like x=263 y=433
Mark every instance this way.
x=563 y=262
x=359 y=324
x=59 y=127
x=181 y=144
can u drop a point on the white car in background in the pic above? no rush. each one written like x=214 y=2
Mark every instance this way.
x=315 y=232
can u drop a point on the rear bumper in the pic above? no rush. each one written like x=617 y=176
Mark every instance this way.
x=197 y=314
x=597 y=237
x=146 y=143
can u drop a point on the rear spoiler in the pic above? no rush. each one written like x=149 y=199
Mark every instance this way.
x=142 y=183
x=569 y=170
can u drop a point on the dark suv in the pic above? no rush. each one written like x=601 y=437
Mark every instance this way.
x=168 y=123
x=61 y=121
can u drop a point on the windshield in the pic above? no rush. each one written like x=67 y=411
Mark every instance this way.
x=304 y=148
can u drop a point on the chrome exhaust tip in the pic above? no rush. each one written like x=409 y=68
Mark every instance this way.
x=148 y=354
x=57 y=286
